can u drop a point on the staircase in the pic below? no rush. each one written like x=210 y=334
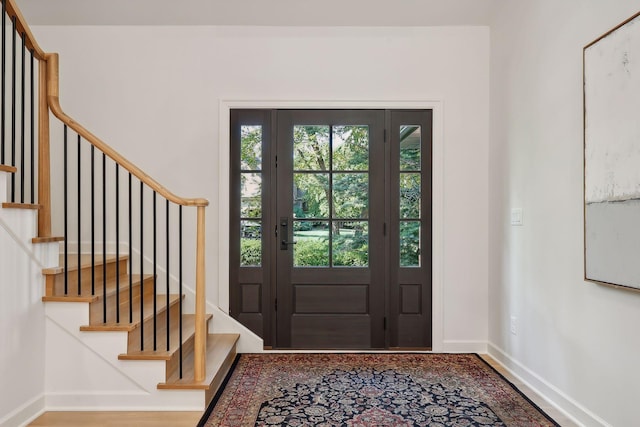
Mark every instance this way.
x=133 y=296
x=114 y=291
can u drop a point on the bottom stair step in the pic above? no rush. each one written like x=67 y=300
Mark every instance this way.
x=188 y=330
x=221 y=352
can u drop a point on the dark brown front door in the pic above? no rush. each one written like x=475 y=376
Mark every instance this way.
x=330 y=212
x=331 y=227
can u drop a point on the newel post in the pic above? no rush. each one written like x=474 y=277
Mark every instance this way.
x=44 y=156
x=200 y=346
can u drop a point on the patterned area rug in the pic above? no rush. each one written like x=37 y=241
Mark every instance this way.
x=367 y=390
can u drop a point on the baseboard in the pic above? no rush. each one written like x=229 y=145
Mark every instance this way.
x=160 y=400
x=26 y=413
x=554 y=396
x=454 y=346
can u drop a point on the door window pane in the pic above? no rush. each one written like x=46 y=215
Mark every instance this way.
x=310 y=148
x=250 y=243
x=311 y=195
x=410 y=195
x=410 y=243
x=350 y=243
x=251 y=195
x=350 y=148
x=250 y=147
x=410 y=141
x=312 y=244
x=351 y=195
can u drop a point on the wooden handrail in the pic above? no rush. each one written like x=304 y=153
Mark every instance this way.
x=23 y=27
x=54 y=106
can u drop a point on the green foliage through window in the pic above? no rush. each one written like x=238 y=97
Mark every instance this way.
x=250 y=252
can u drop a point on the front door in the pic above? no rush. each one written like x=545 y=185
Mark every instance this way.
x=330 y=212
x=331 y=227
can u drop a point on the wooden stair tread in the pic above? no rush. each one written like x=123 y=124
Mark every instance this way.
x=220 y=349
x=188 y=330
x=124 y=314
x=72 y=296
x=85 y=262
x=37 y=240
x=9 y=169
x=20 y=206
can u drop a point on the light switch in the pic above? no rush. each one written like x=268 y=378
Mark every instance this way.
x=516 y=216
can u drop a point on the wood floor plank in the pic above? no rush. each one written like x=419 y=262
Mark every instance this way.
x=554 y=413
x=117 y=419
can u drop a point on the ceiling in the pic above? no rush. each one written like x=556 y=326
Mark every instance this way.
x=258 y=12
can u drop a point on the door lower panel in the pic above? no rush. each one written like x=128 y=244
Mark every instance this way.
x=321 y=331
x=320 y=299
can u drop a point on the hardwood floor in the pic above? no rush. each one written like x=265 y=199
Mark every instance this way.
x=558 y=416
x=117 y=419
x=190 y=419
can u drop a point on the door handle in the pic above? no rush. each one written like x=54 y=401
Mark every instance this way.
x=284 y=232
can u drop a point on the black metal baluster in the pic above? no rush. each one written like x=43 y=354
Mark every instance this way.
x=93 y=221
x=155 y=276
x=66 y=218
x=180 y=281
x=79 y=218
x=22 y=121
x=3 y=84
x=33 y=129
x=141 y=266
x=104 y=239
x=168 y=276
x=117 y=243
x=13 y=109
x=130 y=258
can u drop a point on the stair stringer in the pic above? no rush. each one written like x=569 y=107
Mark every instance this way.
x=83 y=371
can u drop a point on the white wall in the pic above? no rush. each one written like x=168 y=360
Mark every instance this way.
x=153 y=93
x=22 y=319
x=576 y=341
x=21 y=335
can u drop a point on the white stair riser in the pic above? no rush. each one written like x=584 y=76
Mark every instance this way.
x=4 y=179
x=48 y=254
x=22 y=222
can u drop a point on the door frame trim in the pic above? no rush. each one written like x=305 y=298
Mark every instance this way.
x=225 y=106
